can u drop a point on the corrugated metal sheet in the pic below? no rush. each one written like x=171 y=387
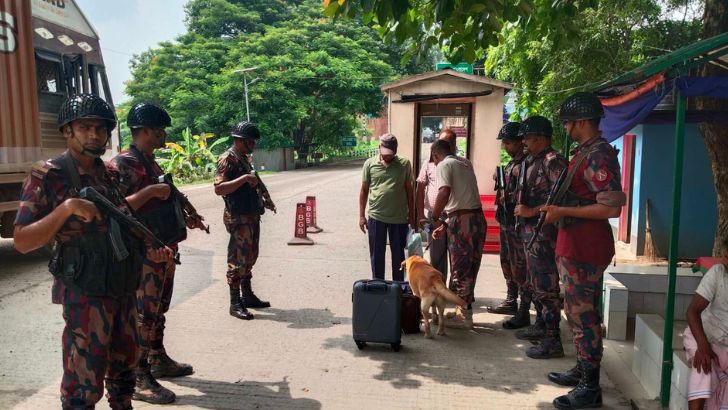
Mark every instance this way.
x=19 y=125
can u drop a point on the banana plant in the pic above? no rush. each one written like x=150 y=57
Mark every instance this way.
x=191 y=157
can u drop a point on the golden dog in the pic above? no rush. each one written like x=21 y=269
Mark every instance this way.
x=426 y=283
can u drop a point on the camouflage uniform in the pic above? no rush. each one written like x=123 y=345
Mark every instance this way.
x=542 y=173
x=465 y=239
x=244 y=229
x=152 y=301
x=100 y=338
x=585 y=249
x=512 y=256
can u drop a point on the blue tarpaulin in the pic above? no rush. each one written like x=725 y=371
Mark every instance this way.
x=619 y=119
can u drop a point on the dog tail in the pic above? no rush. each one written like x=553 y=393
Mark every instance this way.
x=448 y=295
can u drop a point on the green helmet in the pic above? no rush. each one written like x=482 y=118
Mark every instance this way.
x=510 y=131
x=536 y=125
x=245 y=129
x=147 y=115
x=86 y=106
x=581 y=106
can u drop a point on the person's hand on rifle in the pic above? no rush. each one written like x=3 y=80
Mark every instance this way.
x=196 y=222
x=250 y=179
x=553 y=213
x=160 y=255
x=525 y=212
x=85 y=210
x=160 y=191
x=268 y=204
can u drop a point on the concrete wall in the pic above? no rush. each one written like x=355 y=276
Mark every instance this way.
x=487 y=119
x=653 y=180
x=280 y=159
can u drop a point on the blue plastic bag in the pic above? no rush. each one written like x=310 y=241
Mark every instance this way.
x=414 y=244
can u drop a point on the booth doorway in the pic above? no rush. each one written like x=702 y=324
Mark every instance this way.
x=433 y=118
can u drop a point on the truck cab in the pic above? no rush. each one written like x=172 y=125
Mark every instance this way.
x=48 y=51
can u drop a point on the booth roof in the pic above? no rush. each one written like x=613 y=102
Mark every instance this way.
x=448 y=72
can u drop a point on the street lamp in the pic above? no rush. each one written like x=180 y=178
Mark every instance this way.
x=246 y=84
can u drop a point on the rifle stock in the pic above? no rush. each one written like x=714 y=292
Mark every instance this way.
x=520 y=191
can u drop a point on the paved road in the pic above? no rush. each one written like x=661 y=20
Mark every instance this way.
x=298 y=354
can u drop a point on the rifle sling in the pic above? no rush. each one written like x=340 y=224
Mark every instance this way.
x=570 y=175
x=140 y=156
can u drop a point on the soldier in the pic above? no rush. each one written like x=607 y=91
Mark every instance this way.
x=512 y=258
x=94 y=283
x=465 y=229
x=245 y=200
x=164 y=215
x=585 y=244
x=544 y=165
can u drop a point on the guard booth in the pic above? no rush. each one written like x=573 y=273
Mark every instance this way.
x=420 y=106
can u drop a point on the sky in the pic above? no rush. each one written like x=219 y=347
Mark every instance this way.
x=130 y=27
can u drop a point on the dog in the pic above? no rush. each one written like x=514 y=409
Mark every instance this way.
x=427 y=283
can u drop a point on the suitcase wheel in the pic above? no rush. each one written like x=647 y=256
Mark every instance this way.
x=360 y=344
x=396 y=346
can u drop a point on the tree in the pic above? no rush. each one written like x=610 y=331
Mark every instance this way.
x=715 y=21
x=315 y=75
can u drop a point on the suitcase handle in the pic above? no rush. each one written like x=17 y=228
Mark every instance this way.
x=376 y=285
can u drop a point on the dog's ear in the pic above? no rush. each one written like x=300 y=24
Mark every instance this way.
x=403 y=264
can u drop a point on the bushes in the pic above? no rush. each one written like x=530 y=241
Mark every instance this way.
x=191 y=158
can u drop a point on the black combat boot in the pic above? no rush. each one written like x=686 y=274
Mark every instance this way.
x=522 y=318
x=236 y=306
x=148 y=389
x=587 y=393
x=510 y=305
x=164 y=366
x=548 y=348
x=570 y=377
x=535 y=333
x=249 y=300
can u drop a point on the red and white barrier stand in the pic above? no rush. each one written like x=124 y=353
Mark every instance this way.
x=311 y=226
x=299 y=233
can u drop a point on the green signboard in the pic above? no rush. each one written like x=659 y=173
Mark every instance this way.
x=462 y=67
x=348 y=142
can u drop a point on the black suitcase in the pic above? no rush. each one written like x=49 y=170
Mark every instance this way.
x=377 y=310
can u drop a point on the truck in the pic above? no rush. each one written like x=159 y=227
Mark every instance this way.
x=48 y=51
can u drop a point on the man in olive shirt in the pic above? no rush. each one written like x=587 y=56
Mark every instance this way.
x=387 y=188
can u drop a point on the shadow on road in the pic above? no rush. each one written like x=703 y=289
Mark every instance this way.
x=241 y=395
x=302 y=318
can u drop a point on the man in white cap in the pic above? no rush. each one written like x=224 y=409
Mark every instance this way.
x=387 y=188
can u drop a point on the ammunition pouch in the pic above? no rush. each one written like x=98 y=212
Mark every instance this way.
x=572 y=200
x=87 y=262
x=166 y=220
x=245 y=201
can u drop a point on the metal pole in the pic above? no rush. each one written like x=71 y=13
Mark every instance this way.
x=667 y=363
x=247 y=109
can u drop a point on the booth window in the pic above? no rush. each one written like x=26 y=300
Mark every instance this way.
x=48 y=67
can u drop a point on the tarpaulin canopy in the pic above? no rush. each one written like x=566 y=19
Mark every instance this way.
x=619 y=119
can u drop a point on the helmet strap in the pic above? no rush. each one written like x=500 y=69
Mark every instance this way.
x=93 y=153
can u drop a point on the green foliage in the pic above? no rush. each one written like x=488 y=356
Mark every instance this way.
x=316 y=76
x=191 y=158
x=612 y=38
x=463 y=29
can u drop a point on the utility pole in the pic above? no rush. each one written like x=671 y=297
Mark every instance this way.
x=246 y=84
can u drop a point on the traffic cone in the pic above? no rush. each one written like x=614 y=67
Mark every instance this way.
x=311 y=226
x=299 y=232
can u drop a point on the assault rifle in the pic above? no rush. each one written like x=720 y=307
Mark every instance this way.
x=521 y=191
x=187 y=206
x=262 y=190
x=117 y=216
x=500 y=199
x=554 y=198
